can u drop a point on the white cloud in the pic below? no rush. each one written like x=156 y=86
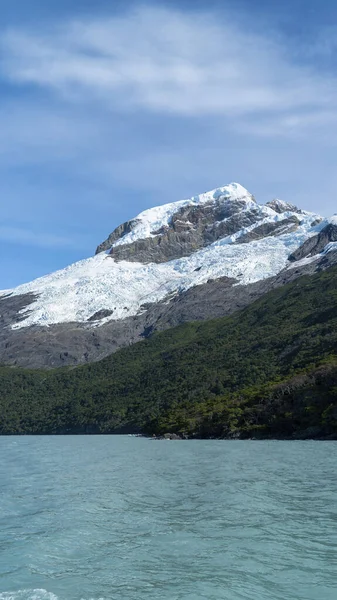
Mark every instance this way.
x=297 y=125
x=109 y=116
x=167 y=61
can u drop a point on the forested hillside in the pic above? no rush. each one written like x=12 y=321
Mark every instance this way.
x=269 y=370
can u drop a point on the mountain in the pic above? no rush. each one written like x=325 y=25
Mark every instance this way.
x=269 y=370
x=191 y=260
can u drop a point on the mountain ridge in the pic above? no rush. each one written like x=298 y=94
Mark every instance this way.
x=221 y=245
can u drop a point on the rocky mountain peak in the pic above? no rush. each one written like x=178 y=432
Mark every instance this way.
x=280 y=206
x=193 y=259
x=177 y=230
x=213 y=206
x=169 y=249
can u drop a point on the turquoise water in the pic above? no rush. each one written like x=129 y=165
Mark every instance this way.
x=130 y=518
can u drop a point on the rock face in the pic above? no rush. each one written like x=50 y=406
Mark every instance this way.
x=117 y=234
x=288 y=225
x=191 y=228
x=280 y=206
x=316 y=244
x=193 y=260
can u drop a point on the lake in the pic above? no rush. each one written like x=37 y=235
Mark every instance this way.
x=119 y=517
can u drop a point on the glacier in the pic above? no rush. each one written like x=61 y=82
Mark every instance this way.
x=79 y=291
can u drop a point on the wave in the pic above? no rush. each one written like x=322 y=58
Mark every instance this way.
x=28 y=595
x=37 y=594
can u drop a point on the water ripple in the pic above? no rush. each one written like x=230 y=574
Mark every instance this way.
x=114 y=518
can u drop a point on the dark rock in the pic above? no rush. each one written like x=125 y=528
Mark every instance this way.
x=233 y=435
x=316 y=222
x=171 y=436
x=315 y=244
x=148 y=331
x=196 y=226
x=101 y=314
x=11 y=307
x=280 y=206
x=117 y=234
x=191 y=228
x=176 y=242
x=270 y=229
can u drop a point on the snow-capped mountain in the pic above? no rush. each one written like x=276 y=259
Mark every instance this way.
x=165 y=257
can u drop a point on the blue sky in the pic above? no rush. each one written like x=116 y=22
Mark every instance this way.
x=108 y=108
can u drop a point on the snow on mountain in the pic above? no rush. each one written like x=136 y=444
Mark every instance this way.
x=281 y=206
x=79 y=291
x=153 y=219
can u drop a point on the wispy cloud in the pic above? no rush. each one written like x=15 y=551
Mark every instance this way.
x=320 y=125
x=102 y=117
x=167 y=61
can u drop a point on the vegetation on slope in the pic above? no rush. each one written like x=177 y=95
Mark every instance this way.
x=269 y=370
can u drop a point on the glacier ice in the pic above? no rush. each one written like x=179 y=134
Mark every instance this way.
x=77 y=292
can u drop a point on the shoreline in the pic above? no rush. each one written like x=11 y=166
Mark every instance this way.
x=179 y=438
